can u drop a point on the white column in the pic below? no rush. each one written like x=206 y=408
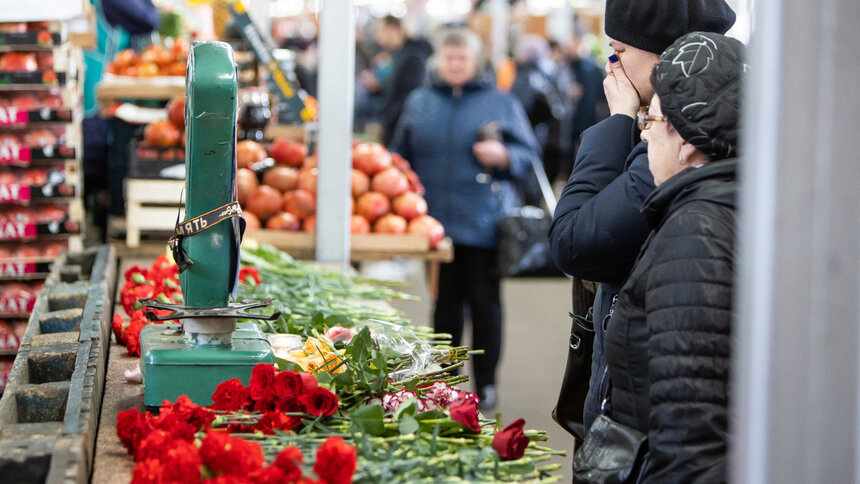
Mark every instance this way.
x=499 y=15
x=560 y=23
x=336 y=101
x=797 y=333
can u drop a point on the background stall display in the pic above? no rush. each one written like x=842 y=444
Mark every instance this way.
x=41 y=212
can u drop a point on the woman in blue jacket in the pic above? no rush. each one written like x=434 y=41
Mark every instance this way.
x=469 y=172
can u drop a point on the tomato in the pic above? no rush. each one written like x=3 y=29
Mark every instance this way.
x=308 y=179
x=19 y=62
x=429 y=226
x=359 y=225
x=21 y=214
x=246 y=183
x=249 y=152
x=391 y=182
x=45 y=60
x=309 y=224
x=51 y=213
x=409 y=205
x=283 y=221
x=13 y=27
x=252 y=222
x=300 y=203
x=124 y=58
x=25 y=251
x=265 y=201
x=390 y=224
x=372 y=205
x=54 y=249
x=24 y=102
x=370 y=158
x=360 y=183
x=161 y=133
x=52 y=101
x=281 y=178
x=310 y=161
x=288 y=152
x=176 y=112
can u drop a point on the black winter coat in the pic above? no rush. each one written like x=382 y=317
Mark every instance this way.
x=408 y=72
x=669 y=340
x=597 y=228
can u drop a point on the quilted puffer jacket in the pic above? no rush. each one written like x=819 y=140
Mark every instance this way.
x=669 y=339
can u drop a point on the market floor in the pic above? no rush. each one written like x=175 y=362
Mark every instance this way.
x=536 y=331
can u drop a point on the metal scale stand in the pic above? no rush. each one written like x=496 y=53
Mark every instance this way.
x=208 y=347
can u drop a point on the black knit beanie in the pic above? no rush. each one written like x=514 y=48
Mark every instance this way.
x=653 y=25
x=699 y=80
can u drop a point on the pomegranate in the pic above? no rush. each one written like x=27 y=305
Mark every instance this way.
x=360 y=183
x=8 y=178
x=51 y=213
x=409 y=205
x=429 y=226
x=53 y=250
x=300 y=203
x=390 y=224
x=282 y=178
x=372 y=205
x=310 y=161
x=176 y=112
x=24 y=102
x=17 y=290
x=286 y=152
x=34 y=177
x=161 y=133
x=246 y=183
x=391 y=182
x=359 y=225
x=249 y=152
x=283 y=221
x=370 y=158
x=45 y=60
x=252 y=222
x=265 y=201
x=308 y=179
x=309 y=224
x=26 y=252
x=22 y=214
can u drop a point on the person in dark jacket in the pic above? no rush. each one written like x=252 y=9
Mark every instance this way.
x=408 y=70
x=469 y=182
x=668 y=342
x=597 y=230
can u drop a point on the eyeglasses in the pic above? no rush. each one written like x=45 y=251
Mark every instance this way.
x=644 y=120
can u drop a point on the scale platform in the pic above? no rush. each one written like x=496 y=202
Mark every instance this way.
x=171 y=367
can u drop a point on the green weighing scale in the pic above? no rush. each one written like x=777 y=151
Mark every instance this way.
x=208 y=347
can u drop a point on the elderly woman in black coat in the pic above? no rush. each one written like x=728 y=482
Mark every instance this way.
x=668 y=341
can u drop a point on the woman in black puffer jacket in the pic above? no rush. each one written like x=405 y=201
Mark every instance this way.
x=668 y=342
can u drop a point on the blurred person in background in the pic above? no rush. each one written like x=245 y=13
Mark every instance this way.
x=586 y=93
x=668 y=342
x=545 y=101
x=597 y=229
x=407 y=71
x=469 y=143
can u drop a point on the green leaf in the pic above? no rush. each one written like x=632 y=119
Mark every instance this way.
x=408 y=425
x=285 y=365
x=324 y=377
x=369 y=419
x=408 y=408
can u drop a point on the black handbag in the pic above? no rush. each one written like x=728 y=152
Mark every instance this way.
x=611 y=454
x=568 y=411
x=523 y=247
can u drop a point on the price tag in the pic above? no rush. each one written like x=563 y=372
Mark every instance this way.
x=15 y=154
x=14 y=193
x=12 y=116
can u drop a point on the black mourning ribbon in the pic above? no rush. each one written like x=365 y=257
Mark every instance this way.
x=195 y=226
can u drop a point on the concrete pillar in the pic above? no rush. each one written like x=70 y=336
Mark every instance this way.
x=336 y=99
x=797 y=333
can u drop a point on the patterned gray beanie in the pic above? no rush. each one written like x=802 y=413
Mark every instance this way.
x=699 y=80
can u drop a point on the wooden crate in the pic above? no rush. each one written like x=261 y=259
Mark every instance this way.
x=152 y=205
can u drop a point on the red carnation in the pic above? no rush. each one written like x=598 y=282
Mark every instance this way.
x=175 y=425
x=319 y=401
x=150 y=471
x=269 y=475
x=231 y=396
x=182 y=463
x=510 y=443
x=131 y=335
x=246 y=272
x=272 y=421
x=287 y=384
x=222 y=453
x=116 y=325
x=131 y=428
x=262 y=378
x=187 y=411
x=152 y=447
x=228 y=479
x=289 y=460
x=336 y=461
x=465 y=412
x=135 y=269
